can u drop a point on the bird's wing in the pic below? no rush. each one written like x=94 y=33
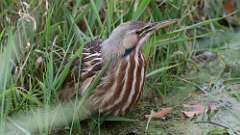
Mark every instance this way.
x=91 y=59
x=83 y=70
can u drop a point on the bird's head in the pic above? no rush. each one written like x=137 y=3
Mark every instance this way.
x=130 y=36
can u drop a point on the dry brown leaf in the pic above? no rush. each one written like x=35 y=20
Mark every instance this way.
x=194 y=110
x=229 y=6
x=160 y=114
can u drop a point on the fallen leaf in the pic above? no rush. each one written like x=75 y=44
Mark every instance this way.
x=160 y=114
x=229 y=6
x=194 y=110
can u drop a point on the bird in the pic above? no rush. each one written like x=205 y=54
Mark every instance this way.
x=121 y=86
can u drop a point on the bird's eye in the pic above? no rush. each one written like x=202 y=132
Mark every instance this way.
x=128 y=51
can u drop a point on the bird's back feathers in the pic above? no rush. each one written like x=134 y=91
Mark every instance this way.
x=83 y=70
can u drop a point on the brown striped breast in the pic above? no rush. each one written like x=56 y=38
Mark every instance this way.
x=120 y=94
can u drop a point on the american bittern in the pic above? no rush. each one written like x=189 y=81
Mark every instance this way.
x=122 y=85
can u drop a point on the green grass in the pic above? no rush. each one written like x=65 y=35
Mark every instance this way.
x=56 y=31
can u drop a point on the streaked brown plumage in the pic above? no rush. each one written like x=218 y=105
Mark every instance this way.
x=122 y=84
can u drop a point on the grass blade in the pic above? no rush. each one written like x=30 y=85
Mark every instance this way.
x=140 y=9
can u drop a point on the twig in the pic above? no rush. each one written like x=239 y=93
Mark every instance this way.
x=213 y=123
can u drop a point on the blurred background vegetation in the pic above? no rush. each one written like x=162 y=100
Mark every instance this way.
x=37 y=37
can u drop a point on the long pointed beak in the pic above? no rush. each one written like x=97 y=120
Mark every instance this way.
x=152 y=27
